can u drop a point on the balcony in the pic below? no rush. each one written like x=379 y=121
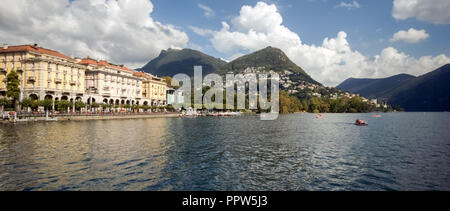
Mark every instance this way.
x=58 y=80
x=19 y=70
x=106 y=88
x=73 y=82
x=3 y=70
x=32 y=78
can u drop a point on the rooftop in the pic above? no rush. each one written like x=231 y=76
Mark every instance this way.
x=32 y=48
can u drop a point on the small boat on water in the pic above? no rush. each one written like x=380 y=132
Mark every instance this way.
x=361 y=123
x=319 y=116
x=190 y=112
x=376 y=116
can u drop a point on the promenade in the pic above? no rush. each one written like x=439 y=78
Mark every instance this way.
x=29 y=117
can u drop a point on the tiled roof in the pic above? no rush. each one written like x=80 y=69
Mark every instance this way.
x=32 y=48
x=104 y=63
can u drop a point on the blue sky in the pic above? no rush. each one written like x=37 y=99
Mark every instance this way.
x=330 y=40
x=369 y=27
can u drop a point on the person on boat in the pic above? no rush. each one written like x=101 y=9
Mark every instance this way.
x=360 y=122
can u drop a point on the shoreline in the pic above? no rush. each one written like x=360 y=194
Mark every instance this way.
x=92 y=117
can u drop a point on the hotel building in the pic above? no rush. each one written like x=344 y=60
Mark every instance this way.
x=112 y=84
x=48 y=74
x=43 y=73
x=154 y=88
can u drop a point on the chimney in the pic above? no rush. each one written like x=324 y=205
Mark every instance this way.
x=35 y=46
x=5 y=46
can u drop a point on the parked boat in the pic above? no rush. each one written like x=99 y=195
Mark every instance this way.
x=190 y=112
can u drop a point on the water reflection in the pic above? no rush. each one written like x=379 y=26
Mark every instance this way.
x=295 y=152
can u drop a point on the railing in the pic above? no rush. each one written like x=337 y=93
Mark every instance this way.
x=31 y=78
x=100 y=114
x=58 y=80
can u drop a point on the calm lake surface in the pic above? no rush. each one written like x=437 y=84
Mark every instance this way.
x=400 y=151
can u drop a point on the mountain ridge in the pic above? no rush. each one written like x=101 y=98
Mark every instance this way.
x=428 y=92
x=171 y=62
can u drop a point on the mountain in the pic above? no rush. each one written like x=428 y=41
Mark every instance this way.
x=429 y=92
x=374 y=88
x=171 y=62
x=267 y=59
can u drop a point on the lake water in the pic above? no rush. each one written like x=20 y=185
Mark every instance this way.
x=400 y=151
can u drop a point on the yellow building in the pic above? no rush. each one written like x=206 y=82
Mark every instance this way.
x=154 y=89
x=112 y=84
x=48 y=74
x=43 y=73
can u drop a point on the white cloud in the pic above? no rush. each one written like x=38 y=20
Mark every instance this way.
x=330 y=63
x=200 y=31
x=350 y=5
x=433 y=11
x=410 y=36
x=121 y=31
x=208 y=12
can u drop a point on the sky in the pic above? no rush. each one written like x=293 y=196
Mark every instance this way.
x=331 y=40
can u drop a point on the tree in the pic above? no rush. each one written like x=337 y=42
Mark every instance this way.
x=12 y=87
x=95 y=105
x=79 y=105
x=27 y=103
x=62 y=105
x=47 y=104
x=169 y=82
x=4 y=102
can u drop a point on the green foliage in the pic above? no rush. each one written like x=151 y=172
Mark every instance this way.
x=79 y=105
x=291 y=104
x=47 y=104
x=169 y=82
x=144 y=107
x=106 y=105
x=62 y=105
x=12 y=86
x=5 y=102
x=30 y=103
x=27 y=103
x=95 y=105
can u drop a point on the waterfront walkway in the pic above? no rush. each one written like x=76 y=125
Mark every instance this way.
x=36 y=117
